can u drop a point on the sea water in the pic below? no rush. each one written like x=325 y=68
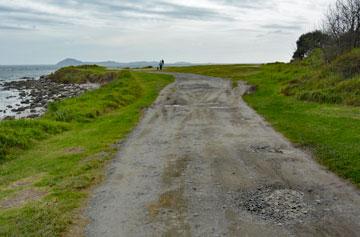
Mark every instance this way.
x=13 y=73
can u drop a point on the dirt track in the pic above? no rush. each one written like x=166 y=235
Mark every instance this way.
x=202 y=163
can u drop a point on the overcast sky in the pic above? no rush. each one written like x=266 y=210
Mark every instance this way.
x=200 y=31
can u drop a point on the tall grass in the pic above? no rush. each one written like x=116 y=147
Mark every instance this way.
x=337 y=82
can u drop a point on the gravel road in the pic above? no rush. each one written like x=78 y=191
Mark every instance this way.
x=203 y=163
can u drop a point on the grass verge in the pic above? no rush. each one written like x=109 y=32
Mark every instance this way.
x=331 y=132
x=49 y=166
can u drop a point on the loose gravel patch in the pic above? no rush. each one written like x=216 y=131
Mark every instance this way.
x=276 y=203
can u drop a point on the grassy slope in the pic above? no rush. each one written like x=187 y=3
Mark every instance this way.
x=66 y=163
x=337 y=82
x=332 y=132
x=83 y=74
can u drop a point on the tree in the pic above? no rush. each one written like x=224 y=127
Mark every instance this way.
x=342 y=24
x=308 y=42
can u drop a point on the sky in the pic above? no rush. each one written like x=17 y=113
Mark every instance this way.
x=198 y=31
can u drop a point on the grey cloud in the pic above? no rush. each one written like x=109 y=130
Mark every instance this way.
x=156 y=9
x=282 y=27
x=248 y=4
x=23 y=17
x=43 y=31
x=109 y=11
x=40 y=20
x=14 y=27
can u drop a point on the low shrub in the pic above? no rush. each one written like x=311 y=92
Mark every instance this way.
x=348 y=65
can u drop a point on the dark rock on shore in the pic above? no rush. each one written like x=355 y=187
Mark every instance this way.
x=27 y=78
x=9 y=118
x=34 y=95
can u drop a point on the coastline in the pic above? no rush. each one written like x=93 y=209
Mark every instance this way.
x=29 y=97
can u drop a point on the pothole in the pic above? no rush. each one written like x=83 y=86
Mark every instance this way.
x=265 y=148
x=276 y=204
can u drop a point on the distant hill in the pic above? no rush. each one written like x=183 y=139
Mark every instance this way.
x=69 y=62
x=112 y=64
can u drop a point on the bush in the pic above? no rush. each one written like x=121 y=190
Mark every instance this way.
x=348 y=65
x=320 y=97
x=308 y=42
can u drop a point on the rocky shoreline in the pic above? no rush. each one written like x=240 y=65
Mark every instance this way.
x=33 y=96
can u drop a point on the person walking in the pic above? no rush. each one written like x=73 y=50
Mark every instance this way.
x=161 y=64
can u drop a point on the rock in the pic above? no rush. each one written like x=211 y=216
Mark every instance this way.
x=38 y=93
x=33 y=116
x=27 y=78
x=9 y=118
x=20 y=109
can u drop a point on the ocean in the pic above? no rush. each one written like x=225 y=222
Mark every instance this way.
x=13 y=73
x=17 y=72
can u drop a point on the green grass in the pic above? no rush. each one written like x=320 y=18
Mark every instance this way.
x=330 y=131
x=83 y=74
x=337 y=82
x=63 y=153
